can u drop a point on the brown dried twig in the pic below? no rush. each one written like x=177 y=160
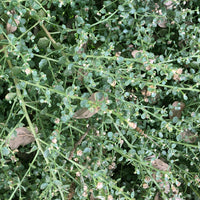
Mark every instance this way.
x=72 y=186
x=141 y=132
x=77 y=144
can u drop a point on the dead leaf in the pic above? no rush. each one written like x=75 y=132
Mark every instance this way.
x=132 y=125
x=176 y=110
x=10 y=96
x=177 y=73
x=22 y=138
x=162 y=23
x=12 y=27
x=162 y=182
x=135 y=52
x=159 y=164
x=150 y=94
x=81 y=74
x=168 y=4
x=189 y=137
x=164 y=185
x=87 y=113
x=157 y=197
x=82 y=48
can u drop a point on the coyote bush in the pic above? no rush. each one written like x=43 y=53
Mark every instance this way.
x=113 y=90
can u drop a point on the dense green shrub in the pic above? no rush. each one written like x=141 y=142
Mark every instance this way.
x=113 y=89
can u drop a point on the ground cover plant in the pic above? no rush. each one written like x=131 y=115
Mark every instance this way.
x=99 y=99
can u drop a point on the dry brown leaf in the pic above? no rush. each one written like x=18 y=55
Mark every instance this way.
x=162 y=23
x=81 y=74
x=177 y=108
x=159 y=164
x=87 y=113
x=177 y=73
x=132 y=125
x=12 y=27
x=22 y=138
x=82 y=48
x=148 y=92
x=157 y=196
x=163 y=183
x=168 y=4
x=189 y=137
x=135 y=52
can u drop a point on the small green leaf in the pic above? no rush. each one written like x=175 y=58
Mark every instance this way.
x=43 y=186
x=43 y=42
x=110 y=134
x=185 y=97
x=121 y=8
x=42 y=63
x=5 y=151
x=57 y=182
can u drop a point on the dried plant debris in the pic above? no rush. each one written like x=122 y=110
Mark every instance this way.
x=162 y=23
x=177 y=74
x=176 y=110
x=150 y=94
x=163 y=184
x=12 y=25
x=168 y=4
x=22 y=137
x=159 y=177
x=189 y=136
x=10 y=96
x=136 y=53
x=157 y=197
x=81 y=72
x=89 y=112
x=159 y=164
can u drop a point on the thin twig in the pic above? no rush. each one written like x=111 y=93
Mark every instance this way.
x=71 y=191
x=78 y=143
x=48 y=34
x=72 y=186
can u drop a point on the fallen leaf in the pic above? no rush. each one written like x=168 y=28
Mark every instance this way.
x=168 y=4
x=157 y=197
x=162 y=23
x=87 y=113
x=188 y=136
x=10 y=96
x=150 y=94
x=159 y=164
x=12 y=27
x=176 y=110
x=132 y=125
x=162 y=182
x=135 y=52
x=22 y=138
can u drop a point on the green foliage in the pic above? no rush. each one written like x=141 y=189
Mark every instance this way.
x=122 y=65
